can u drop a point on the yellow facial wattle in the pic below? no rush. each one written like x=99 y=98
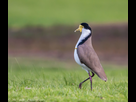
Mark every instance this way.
x=80 y=28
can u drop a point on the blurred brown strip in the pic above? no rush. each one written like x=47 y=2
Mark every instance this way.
x=110 y=41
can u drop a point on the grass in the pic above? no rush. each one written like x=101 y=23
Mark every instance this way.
x=51 y=12
x=33 y=79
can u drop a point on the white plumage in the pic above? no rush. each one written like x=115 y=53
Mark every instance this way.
x=83 y=35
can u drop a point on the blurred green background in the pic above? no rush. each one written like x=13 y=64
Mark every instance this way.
x=68 y=12
x=41 y=42
x=45 y=27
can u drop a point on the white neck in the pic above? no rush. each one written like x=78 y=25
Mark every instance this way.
x=83 y=35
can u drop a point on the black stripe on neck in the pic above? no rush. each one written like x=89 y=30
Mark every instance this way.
x=82 y=41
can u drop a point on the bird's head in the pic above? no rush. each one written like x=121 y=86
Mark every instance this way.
x=83 y=26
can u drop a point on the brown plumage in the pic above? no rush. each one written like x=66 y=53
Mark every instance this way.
x=88 y=57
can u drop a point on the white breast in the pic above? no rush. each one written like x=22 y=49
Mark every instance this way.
x=78 y=61
x=76 y=57
x=83 y=35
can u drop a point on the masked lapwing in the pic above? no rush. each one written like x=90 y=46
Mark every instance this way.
x=85 y=55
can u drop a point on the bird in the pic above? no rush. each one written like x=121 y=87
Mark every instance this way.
x=85 y=55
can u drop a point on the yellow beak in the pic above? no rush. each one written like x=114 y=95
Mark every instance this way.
x=79 y=29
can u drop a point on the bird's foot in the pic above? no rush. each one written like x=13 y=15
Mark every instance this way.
x=91 y=88
x=80 y=85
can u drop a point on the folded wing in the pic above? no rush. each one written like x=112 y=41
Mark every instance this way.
x=88 y=57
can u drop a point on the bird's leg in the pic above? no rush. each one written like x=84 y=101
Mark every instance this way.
x=91 y=78
x=83 y=82
x=86 y=80
x=92 y=74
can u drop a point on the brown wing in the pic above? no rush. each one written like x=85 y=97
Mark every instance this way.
x=88 y=57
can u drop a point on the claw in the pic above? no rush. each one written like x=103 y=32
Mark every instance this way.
x=80 y=85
